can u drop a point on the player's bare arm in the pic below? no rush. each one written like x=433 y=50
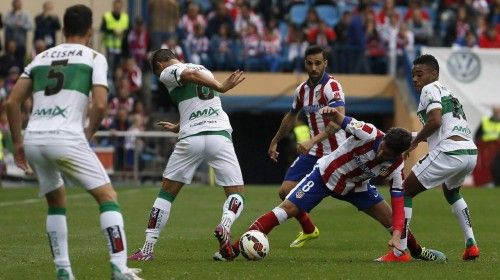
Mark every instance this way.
x=333 y=115
x=433 y=123
x=97 y=109
x=285 y=127
x=330 y=130
x=20 y=92
x=201 y=78
x=168 y=126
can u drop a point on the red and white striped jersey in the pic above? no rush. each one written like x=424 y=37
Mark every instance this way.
x=352 y=165
x=328 y=92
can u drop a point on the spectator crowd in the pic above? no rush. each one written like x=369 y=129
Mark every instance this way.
x=361 y=36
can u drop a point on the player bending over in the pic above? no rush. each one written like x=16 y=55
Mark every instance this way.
x=366 y=154
x=204 y=134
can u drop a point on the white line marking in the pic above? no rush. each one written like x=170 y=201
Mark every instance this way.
x=36 y=200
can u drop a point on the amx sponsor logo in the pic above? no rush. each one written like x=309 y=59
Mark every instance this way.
x=464 y=66
x=461 y=129
x=51 y=112
x=204 y=113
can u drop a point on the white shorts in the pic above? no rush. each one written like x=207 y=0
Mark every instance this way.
x=440 y=167
x=217 y=150
x=77 y=163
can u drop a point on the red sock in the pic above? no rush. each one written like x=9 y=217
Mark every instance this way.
x=305 y=222
x=413 y=245
x=265 y=223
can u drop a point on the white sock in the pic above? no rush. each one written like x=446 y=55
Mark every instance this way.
x=461 y=211
x=158 y=218
x=280 y=214
x=231 y=210
x=112 y=227
x=57 y=231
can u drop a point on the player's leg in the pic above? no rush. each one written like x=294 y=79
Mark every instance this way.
x=113 y=227
x=382 y=213
x=182 y=164
x=459 y=207
x=51 y=185
x=221 y=156
x=297 y=171
x=81 y=164
x=57 y=231
x=304 y=197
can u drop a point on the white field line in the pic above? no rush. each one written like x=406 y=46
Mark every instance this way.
x=36 y=200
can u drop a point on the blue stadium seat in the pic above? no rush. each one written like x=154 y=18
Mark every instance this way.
x=328 y=13
x=298 y=13
x=401 y=11
x=283 y=28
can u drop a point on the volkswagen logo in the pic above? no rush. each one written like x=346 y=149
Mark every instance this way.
x=464 y=66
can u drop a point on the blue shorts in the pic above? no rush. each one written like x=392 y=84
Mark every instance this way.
x=302 y=165
x=311 y=190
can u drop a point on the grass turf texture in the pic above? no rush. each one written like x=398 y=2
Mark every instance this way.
x=348 y=243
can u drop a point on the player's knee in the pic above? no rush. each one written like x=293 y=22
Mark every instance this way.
x=282 y=194
x=291 y=209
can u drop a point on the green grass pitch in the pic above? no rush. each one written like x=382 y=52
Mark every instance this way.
x=348 y=243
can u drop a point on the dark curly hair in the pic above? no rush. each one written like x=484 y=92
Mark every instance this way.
x=162 y=55
x=398 y=140
x=429 y=60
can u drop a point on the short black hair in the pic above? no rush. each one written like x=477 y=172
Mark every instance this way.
x=77 y=20
x=429 y=60
x=162 y=55
x=398 y=140
x=315 y=49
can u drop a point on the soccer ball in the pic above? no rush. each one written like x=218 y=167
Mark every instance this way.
x=254 y=245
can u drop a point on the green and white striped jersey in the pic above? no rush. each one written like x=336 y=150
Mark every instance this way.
x=454 y=122
x=62 y=77
x=200 y=107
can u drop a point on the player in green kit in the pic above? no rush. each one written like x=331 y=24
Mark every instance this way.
x=452 y=152
x=204 y=134
x=56 y=143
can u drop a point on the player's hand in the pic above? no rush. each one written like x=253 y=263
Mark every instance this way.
x=394 y=242
x=168 y=126
x=327 y=111
x=233 y=80
x=20 y=159
x=272 y=152
x=412 y=147
x=304 y=147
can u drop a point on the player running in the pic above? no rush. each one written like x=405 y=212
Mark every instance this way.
x=346 y=172
x=56 y=143
x=204 y=134
x=452 y=152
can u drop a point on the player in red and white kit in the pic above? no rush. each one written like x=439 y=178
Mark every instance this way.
x=366 y=154
x=318 y=91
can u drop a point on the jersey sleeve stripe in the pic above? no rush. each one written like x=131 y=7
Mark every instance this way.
x=336 y=103
x=345 y=122
x=368 y=129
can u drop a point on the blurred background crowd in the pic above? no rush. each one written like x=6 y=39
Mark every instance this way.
x=361 y=36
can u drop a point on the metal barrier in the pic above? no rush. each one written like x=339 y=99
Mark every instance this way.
x=137 y=156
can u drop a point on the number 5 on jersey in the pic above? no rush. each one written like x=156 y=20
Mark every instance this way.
x=57 y=76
